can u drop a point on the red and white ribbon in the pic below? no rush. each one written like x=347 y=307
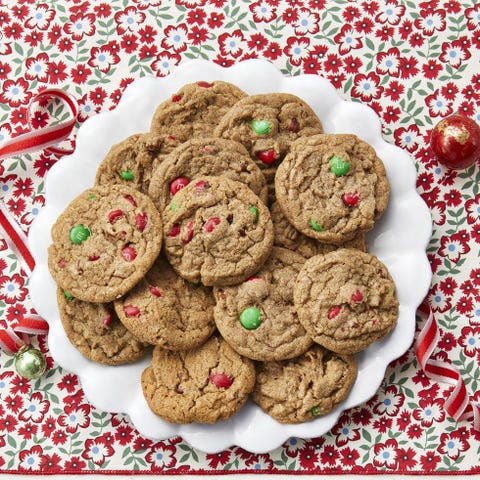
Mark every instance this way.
x=47 y=137
x=458 y=404
x=13 y=339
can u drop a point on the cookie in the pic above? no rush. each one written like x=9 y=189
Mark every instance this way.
x=104 y=242
x=258 y=317
x=132 y=161
x=195 y=110
x=332 y=187
x=95 y=330
x=306 y=387
x=287 y=236
x=205 y=385
x=217 y=232
x=266 y=124
x=165 y=310
x=346 y=300
x=205 y=156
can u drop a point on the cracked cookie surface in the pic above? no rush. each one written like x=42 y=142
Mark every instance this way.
x=205 y=385
x=258 y=317
x=97 y=333
x=346 y=300
x=104 y=242
x=332 y=187
x=300 y=389
x=217 y=231
x=164 y=309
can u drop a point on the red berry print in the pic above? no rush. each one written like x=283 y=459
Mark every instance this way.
x=130 y=199
x=131 y=311
x=210 y=224
x=334 y=312
x=107 y=321
x=114 y=215
x=189 y=232
x=357 y=297
x=93 y=258
x=176 y=98
x=178 y=184
x=175 y=230
x=141 y=220
x=221 y=380
x=155 y=291
x=205 y=84
x=129 y=254
x=351 y=199
x=268 y=156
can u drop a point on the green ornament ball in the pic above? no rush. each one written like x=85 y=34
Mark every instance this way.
x=30 y=362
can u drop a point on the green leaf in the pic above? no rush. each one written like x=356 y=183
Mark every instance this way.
x=366 y=435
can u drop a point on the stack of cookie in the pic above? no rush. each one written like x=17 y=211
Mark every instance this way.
x=231 y=237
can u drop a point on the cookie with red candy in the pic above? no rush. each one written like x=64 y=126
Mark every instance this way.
x=206 y=384
x=104 y=243
x=346 y=300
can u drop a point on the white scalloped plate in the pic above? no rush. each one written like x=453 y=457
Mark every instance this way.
x=399 y=240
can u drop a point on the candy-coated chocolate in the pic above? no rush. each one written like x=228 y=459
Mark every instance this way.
x=141 y=220
x=334 y=312
x=155 y=291
x=250 y=318
x=351 y=199
x=114 y=215
x=174 y=231
x=210 y=224
x=93 y=258
x=127 y=175
x=79 y=233
x=129 y=253
x=221 y=380
x=315 y=225
x=357 y=297
x=261 y=127
x=130 y=199
x=190 y=228
x=176 y=98
x=107 y=321
x=268 y=156
x=67 y=295
x=339 y=166
x=178 y=184
x=204 y=84
x=254 y=210
x=131 y=311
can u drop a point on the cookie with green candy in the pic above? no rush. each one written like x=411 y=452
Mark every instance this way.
x=195 y=109
x=96 y=332
x=305 y=387
x=164 y=309
x=332 y=187
x=206 y=384
x=132 y=161
x=217 y=231
x=204 y=156
x=258 y=317
x=104 y=242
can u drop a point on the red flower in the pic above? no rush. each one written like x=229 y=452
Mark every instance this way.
x=403 y=420
x=349 y=457
x=68 y=383
x=273 y=51
x=257 y=42
x=454 y=53
x=367 y=87
x=97 y=450
x=147 y=34
x=408 y=67
x=103 y=58
x=431 y=69
x=216 y=459
x=329 y=455
x=386 y=454
x=14 y=31
x=392 y=114
x=347 y=39
x=215 y=20
x=8 y=423
x=5 y=69
x=75 y=417
x=198 y=35
x=31 y=459
x=352 y=64
x=431 y=20
x=350 y=13
x=80 y=73
x=429 y=461
x=307 y=458
x=364 y=25
x=128 y=19
x=406 y=458
x=196 y=16
x=362 y=416
x=337 y=80
x=263 y=11
x=15 y=93
x=74 y=463
x=12 y=288
x=28 y=430
x=141 y=444
x=385 y=33
x=56 y=72
x=290 y=16
x=394 y=90
x=102 y=10
x=51 y=463
x=80 y=25
x=405 y=29
x=175 y=37
x=33 y=38
x=54 y=34
x=13 y=403
x=124 y=434
x=43 y=164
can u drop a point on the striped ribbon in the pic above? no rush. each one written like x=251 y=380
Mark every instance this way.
x=458 y=404
x=13 y=339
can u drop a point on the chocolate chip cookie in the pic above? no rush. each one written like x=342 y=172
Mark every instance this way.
x=258 y=317
x=132 y=161
x=195 y=110
x=217 y=231
x=104 y=242
x=94 y=330
x=332 y=187
x=205 y=156
x=346 y=300
x=287 y=236
x=164 y=309
x=205 y=385
x=303 y=388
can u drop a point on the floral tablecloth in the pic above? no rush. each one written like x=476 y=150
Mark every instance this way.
x=413 y=63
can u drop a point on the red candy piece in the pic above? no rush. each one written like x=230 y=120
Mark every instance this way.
x=221 y=380
x=155 y=291
x=62 y=263
x=107 y=321
x=130 y=199
x=172 y=137
x=201 y=185
x=210 y=224
x=294 y=125
x=129 y=254
x=141 y=221
x=205 y=84
x=189 y=232
x=175 y=230
x=351 y=199
x=253 y=277
x=114 y=215
x=268 y=156
x=357 y=296
x=333 y=312
x=178 y=184
x=94 y=257
x=131 y=311
x=176 y=98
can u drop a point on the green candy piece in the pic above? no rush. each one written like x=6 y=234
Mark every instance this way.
x=172 y=207
x=250 y=318
x=315 y=225
x=314 y=411
x=254 y=210
x=261 y=127
x=79 y=233
x=91 y=196
x=338 y=166
x=127 y=175
x=67 y=295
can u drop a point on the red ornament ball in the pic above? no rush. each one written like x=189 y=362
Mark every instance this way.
x=455 y=142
